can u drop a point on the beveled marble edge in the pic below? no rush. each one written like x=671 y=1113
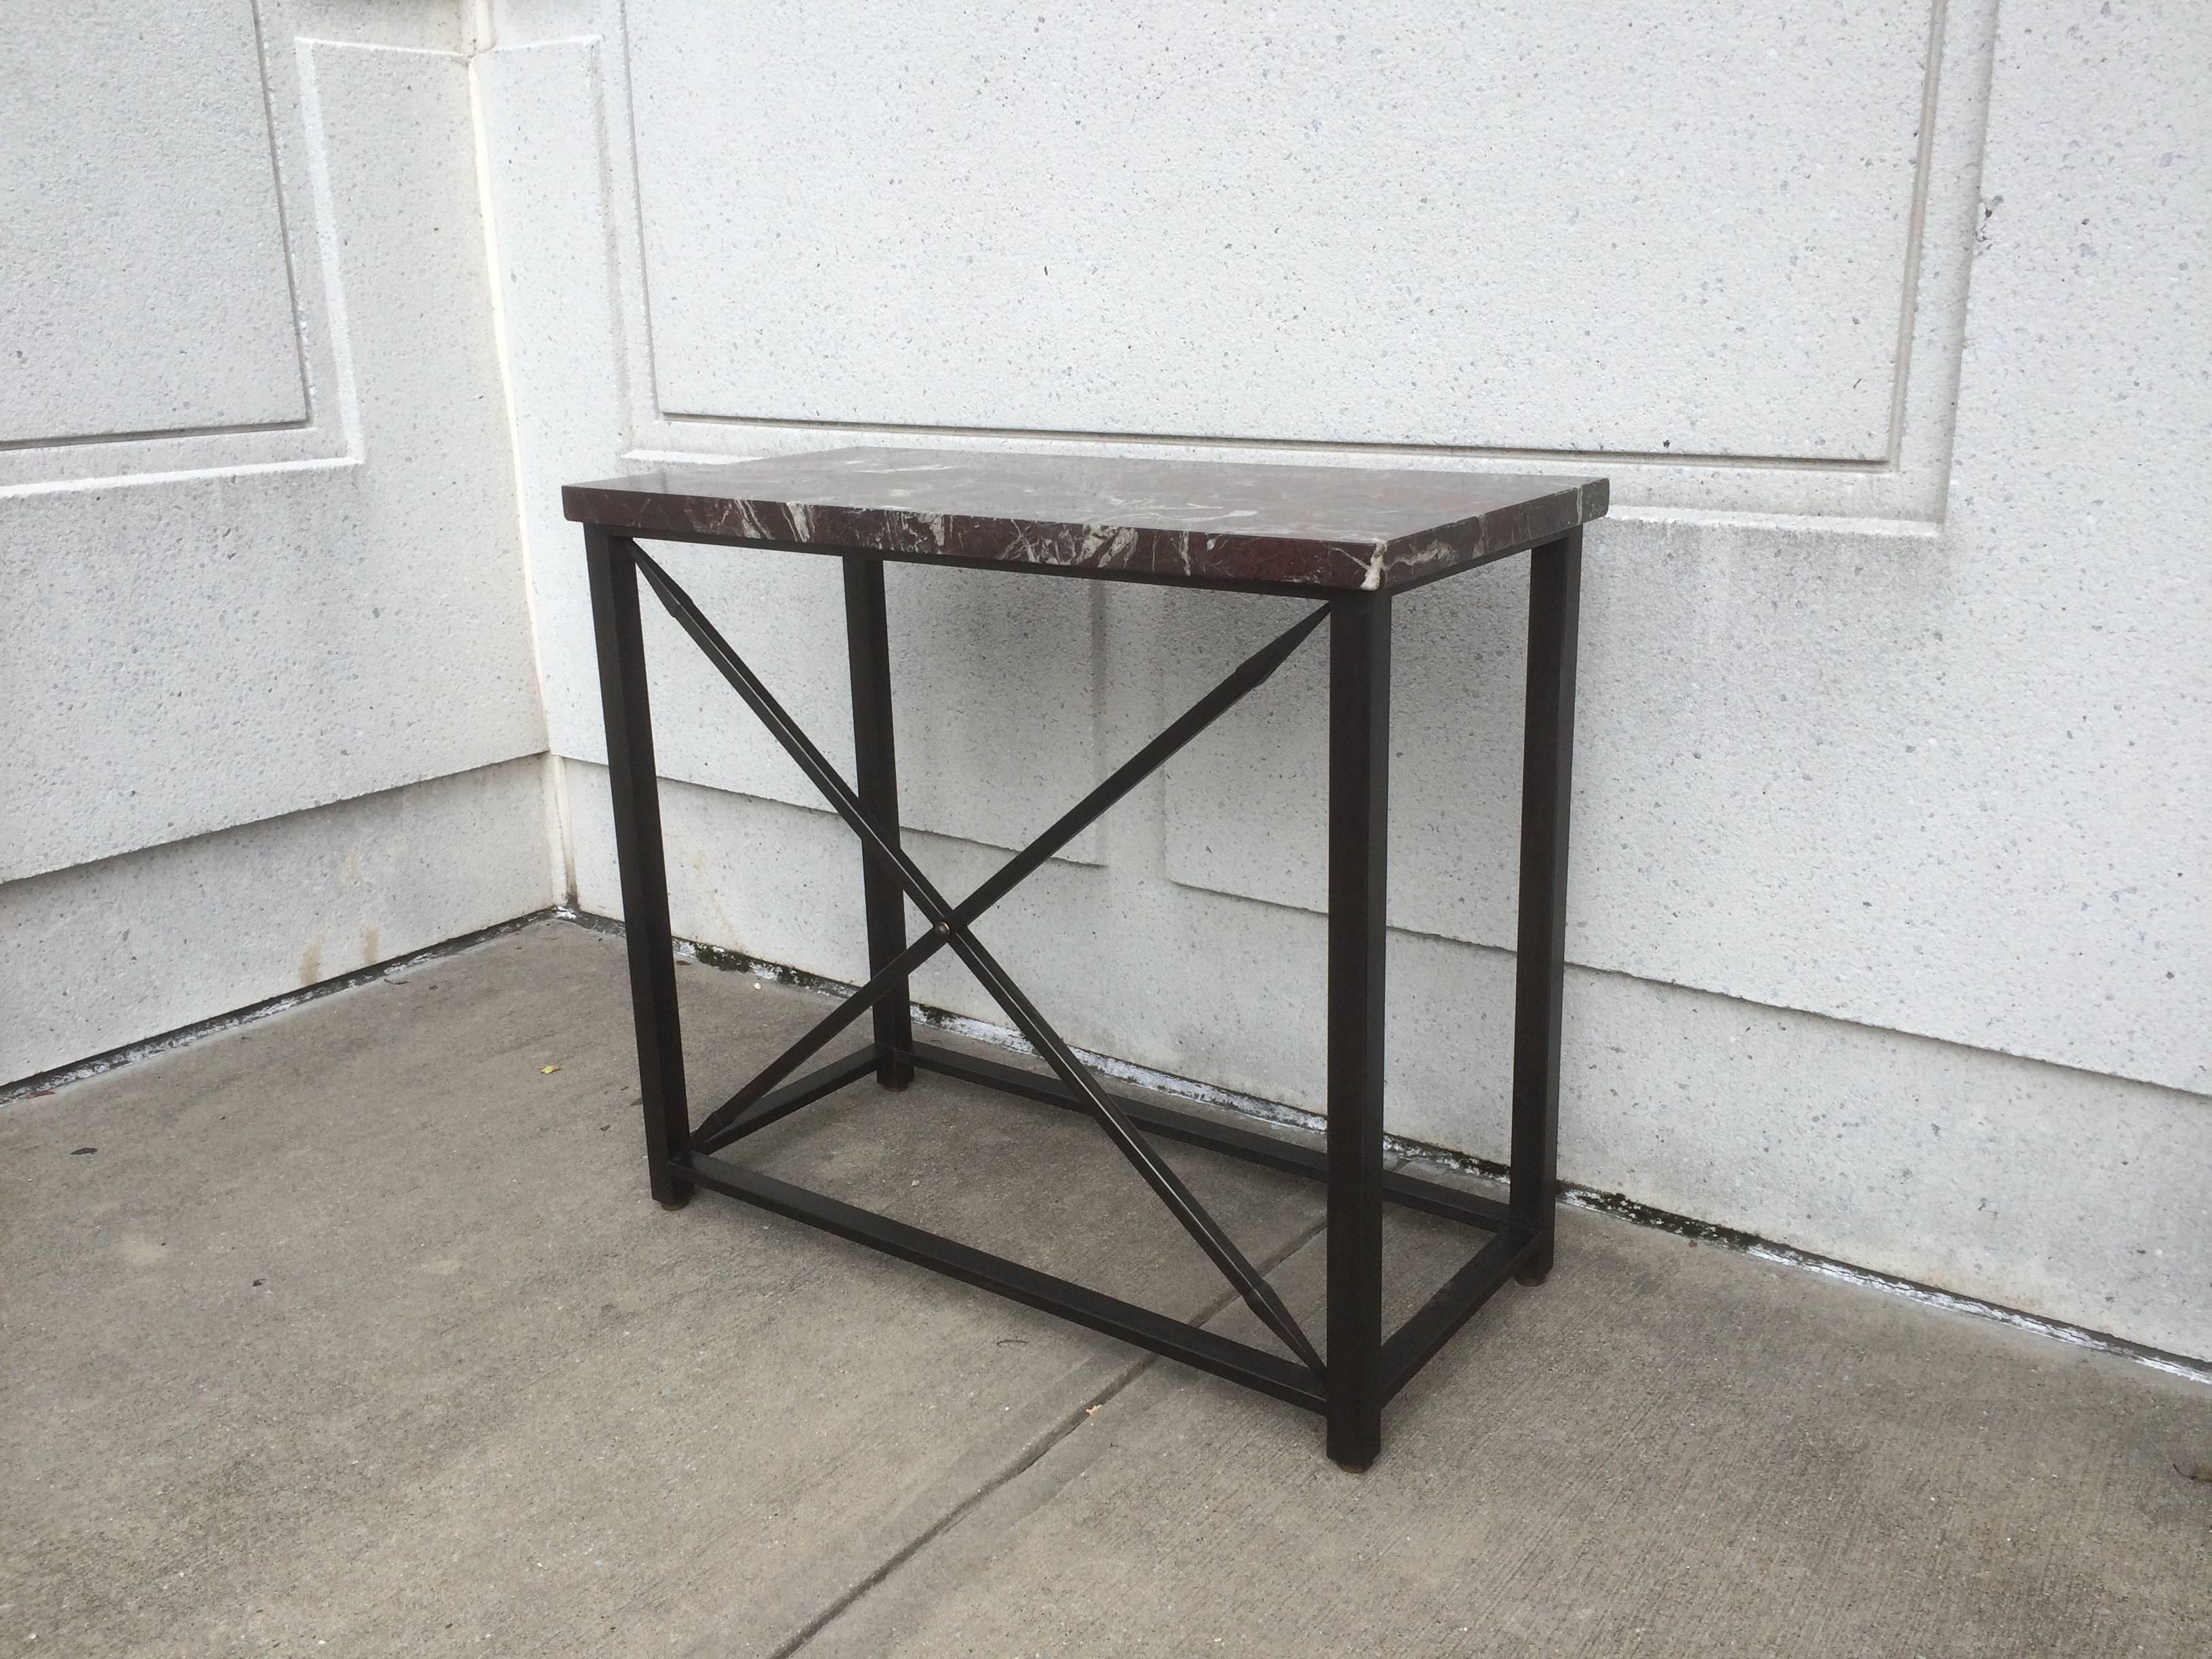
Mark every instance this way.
x=1139 y=550
x=1486 y=535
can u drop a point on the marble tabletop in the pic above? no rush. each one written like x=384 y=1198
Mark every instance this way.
x=1332 y=527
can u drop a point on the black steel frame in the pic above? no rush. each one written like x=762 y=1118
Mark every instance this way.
x=1363 y=1369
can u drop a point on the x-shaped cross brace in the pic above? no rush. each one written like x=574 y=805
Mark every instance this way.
x=760 y=1102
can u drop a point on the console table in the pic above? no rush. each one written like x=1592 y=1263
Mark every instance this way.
x=1350 y=538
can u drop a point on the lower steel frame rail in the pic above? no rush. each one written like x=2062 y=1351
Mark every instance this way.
x=1363 y=1371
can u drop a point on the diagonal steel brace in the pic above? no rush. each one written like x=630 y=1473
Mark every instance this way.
x=731 y=1121
x=1219 y=1248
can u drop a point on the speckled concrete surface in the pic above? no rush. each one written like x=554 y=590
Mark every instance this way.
x=356 y=1333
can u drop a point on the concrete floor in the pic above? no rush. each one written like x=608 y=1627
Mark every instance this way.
x=357 y=1332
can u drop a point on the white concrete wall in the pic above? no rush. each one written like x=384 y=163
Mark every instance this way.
x=267 y=688
x=1892 y=926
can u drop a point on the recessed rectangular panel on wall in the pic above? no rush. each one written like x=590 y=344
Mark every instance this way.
x=195 y=641
x=144 y=282
x=1685 y=232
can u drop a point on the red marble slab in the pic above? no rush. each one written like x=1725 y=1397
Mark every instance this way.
x=1326 y=527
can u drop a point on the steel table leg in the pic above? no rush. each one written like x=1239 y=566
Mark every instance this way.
x=1547 y=763
x=1358 y=846
x=867 y=635
x=635 y=787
